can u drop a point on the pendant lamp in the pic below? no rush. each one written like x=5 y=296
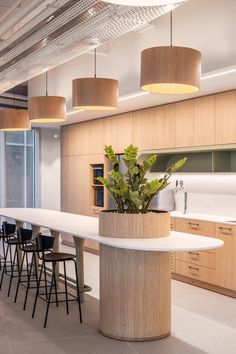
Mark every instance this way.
x=47 y=109
x=144 y=3
x=170 y=69
x=95 y=93
x=14 y=119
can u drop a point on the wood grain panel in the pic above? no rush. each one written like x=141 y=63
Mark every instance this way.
x=225 y=256
x=197 y=257
x=118 y=131
x=149 y=225
x=134 y=293
x=194 y=271
x=225 y=113
x=184 y=123
x=154 y=128
x=204 y=120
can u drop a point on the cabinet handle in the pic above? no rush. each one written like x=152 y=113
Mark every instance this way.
x=225 y=228
x=194 y=254
x=193 y=224
x=193 y=268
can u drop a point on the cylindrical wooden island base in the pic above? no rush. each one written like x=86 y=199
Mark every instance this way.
x=135 y=294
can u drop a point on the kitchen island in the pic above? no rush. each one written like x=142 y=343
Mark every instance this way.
x=135 y=301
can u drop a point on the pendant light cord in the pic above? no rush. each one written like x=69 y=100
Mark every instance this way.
x=95 y=63
x=171 y=28
x=46 y=83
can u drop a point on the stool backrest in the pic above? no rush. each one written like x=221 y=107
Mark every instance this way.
x=8 y=229
x=24 y=235
x=44 y=243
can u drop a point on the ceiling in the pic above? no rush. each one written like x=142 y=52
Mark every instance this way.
x=207 y=25
x=6 y=6
x=122 y=33
x=44 y=34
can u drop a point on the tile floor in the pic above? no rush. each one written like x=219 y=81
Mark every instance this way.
x=202 y=322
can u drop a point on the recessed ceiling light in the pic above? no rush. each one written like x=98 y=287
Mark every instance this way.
x=144 y=2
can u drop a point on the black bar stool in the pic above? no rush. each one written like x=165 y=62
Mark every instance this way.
x=43 y=244
x=27 y=247
x=11 y=240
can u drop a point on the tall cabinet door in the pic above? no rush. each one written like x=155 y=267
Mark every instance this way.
x=226 y=262
x=225 y=116
x=184 y=123
x=118 y=131
x=204 y=120
x=153 y=128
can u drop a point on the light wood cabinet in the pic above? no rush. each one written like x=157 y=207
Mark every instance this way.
x=96 y=140
x=226 y=256
x=225 y=113
x=204 y=120
x=197 y=272
x=153 y=128
x=196 y=227
x=204 y=259
x=184 y=123
x=118 y=131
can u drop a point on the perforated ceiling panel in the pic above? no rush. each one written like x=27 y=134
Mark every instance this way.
x=58 y=34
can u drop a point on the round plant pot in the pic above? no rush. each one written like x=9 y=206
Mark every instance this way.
x=151 y=225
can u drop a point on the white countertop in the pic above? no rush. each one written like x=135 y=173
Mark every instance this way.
x=205 y=217
x=86 y=227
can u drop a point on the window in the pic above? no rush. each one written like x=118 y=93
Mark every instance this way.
x=19 y=170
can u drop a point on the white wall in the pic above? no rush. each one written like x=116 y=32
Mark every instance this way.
x=208 y=193
x=50 y=168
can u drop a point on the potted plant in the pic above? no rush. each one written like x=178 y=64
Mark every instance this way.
x=133 y=193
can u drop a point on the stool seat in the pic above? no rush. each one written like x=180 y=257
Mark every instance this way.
x=58 y=256
x=13 y=241
x=31 y=248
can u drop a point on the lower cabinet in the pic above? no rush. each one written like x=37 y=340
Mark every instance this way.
x=215 y=267
x=196 y=271
x=226 y=256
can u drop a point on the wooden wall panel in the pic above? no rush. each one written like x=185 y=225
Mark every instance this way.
x=184 y=123
x=204 y=120
x=153 y=128
x=118 y=131
x=225 y=113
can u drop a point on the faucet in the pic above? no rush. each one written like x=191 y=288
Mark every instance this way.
x=181 y=183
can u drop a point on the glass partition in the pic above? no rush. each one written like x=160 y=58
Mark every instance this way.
x=19 y=169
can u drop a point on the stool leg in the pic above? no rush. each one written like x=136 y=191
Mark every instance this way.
x=37 y=291
x=12 y=270
x=4 y=267
x=78 y=292
x=55 y=281
x=67 y=303
x=19 y=279
x=35 y=267
x=28 y=281
x=49 y=296
x=45 y=279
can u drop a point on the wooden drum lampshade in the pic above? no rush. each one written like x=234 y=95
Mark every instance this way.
x=95 y=93
x=14 y=120
x=170 y=70
x=47 y=109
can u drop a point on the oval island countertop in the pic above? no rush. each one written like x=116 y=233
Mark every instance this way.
x=86 y=227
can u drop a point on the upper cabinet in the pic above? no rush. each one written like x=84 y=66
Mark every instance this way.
x=96 y=140
x=118 y=131
x=153 y=128
x=225 y=117
x=184 y=123
x=204 y=121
